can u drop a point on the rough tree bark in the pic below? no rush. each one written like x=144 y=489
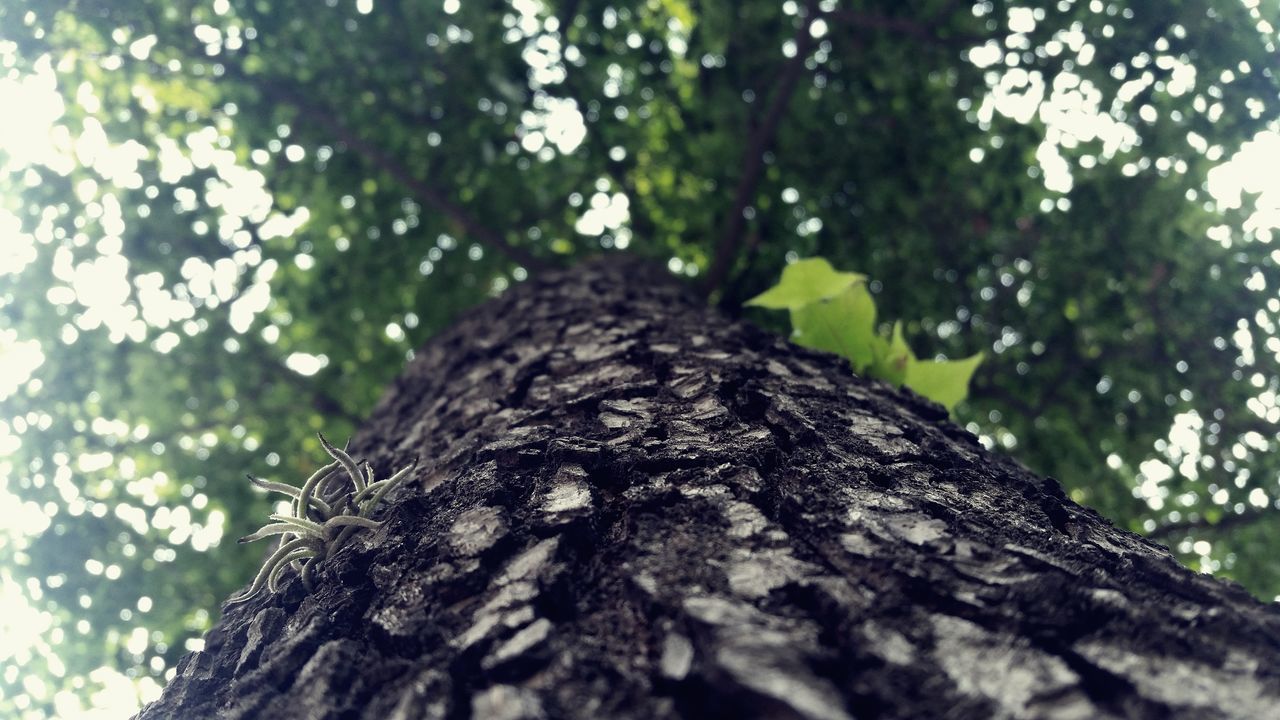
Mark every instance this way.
x=631 y=507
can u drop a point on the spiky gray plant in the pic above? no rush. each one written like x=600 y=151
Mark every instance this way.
x=314 y=529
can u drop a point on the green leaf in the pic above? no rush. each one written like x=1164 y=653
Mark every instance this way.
x=804 y=282
x=942 y=381
x=844 y=325
x=891 y=358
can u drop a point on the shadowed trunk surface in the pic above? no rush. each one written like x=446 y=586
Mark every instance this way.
x=630 y=507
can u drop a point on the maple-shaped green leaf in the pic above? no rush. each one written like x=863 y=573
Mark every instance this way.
x=833 y=311
x=943 y=381
x=844 y=324
x=891 y=358
x=804 y=282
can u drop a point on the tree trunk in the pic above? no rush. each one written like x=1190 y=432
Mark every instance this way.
x=628 y=506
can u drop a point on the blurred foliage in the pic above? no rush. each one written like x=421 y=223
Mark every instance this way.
x=401 y=153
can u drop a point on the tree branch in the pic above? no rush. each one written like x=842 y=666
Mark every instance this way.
x=429 y=194
x=909 y=27
x=989 y=389
x=758 y=143
x=309 y=389
x=1201 y=523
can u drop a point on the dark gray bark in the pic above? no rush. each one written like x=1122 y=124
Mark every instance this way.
x=631 y=507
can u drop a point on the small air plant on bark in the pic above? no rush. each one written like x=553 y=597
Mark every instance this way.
x=315 y=529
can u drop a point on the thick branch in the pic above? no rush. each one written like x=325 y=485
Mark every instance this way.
x=990 y=389
x=908 y=27
x=758 y=144
x=424 y=191
x=431 y=195
x=1227 y=522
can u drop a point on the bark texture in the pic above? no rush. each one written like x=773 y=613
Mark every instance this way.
x=631 y=507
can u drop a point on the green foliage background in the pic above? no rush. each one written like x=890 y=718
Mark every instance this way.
x=403 y=141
